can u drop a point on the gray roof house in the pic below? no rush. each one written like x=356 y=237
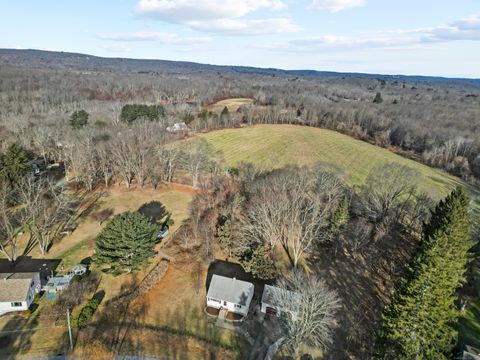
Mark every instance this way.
x=17 y=291
x=230 y=294
x=276 y=300
x=177 y=127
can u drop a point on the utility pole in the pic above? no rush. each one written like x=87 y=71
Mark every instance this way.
x=69 y=330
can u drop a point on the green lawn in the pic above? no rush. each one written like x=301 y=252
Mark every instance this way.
x=275 y=146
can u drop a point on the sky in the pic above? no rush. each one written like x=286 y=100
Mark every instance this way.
x=413 y=37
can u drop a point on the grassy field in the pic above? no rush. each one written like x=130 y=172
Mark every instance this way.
x=232 y=104
x=48 y=338
x=275 y=146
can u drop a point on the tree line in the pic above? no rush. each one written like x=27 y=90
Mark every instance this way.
x=433 y=122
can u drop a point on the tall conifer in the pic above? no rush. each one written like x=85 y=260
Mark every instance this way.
x=419 y=323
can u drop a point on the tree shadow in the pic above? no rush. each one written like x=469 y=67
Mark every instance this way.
x=364 y=281
x=155 y=211
x=14 y=339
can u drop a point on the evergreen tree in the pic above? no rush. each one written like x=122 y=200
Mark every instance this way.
x=15 y=163
x=225 y=112
x=260 y=264
x=132 y=112
x=419 y=323
x=378 y=98
x=126 y=243
x=339 y=217
x=79 y=119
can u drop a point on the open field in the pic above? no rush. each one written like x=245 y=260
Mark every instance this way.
x=276 y=146
x=232 y=104
x=79 y=244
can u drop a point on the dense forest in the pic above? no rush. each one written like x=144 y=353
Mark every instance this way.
x=433 y=120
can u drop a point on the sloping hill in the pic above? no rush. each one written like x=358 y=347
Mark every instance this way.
x=84 y=62
x=275 y=146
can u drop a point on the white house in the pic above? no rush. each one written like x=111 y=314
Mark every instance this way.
x=276 y=300
x=177 y=127
x=231 y=294
x=17 y=291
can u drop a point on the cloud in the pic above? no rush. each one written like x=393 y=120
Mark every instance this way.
x=116 y=48
x=247 y=27
x=463 y=29
x=218 y=16
x=161 y=37
x=335 y=5
x=467 y=29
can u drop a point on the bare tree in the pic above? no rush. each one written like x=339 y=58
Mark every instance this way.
x=81 y=160
x=123 y=157
x=46 y=208
x=105 y=162
x=9 y=224
x=308 y=309
x=290 y=208
x=386 y=190
x=197 y=157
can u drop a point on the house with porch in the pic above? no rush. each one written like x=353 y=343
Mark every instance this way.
x=230 y=295
x=17 y=291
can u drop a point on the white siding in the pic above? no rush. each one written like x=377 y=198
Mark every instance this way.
x=231 y=307
x=6 y=307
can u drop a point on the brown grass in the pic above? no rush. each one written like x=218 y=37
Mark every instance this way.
x=232 y=104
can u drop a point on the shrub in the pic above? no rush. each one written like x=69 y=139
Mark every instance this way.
x=79 y=119
x=86 y=313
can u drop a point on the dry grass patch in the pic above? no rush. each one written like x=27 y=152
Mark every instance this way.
x=232 y=104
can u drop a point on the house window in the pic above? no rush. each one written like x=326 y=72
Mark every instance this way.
x=16 y=304
x=238 y=306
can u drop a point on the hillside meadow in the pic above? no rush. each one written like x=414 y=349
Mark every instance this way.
x=276 y=146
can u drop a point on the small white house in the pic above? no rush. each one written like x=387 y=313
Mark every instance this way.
x=79 y=269
x=17 y=291
x=276 y=301
x=231 y=294
x=177 y=127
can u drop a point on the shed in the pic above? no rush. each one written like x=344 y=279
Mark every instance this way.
x=231 y=294
x=57 y=283
x=79 y=269
x=276 y=300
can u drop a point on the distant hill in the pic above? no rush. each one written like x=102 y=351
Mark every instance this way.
x=83 y=62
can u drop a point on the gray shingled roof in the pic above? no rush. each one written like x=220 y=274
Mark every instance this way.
x=15 y=286
x=273 y=296
x=231 y=290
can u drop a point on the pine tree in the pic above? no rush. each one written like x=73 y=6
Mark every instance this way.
x=260 y=264
x=79 y=119
x=15 y=163
x=126 y=243
x=419 y=323
x=378 y=98
x=339 y=217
